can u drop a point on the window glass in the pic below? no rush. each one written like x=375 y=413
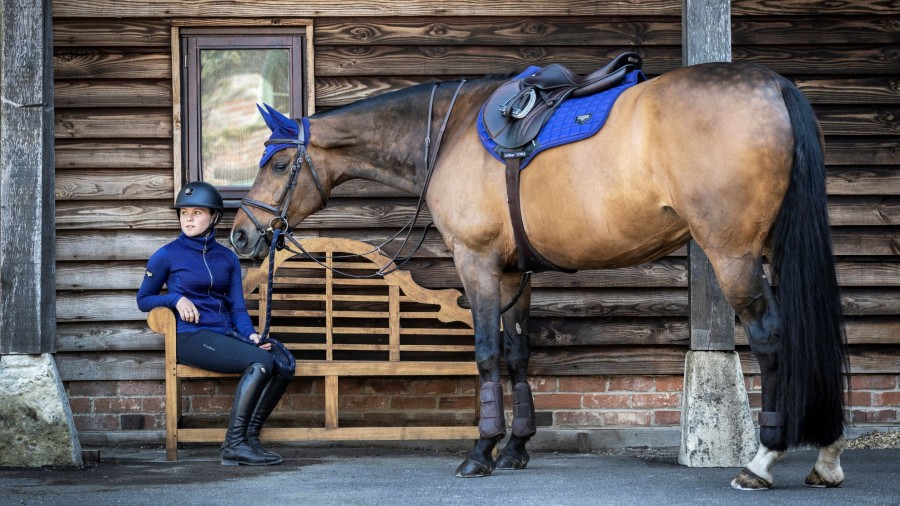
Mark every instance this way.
x=232 y=82
x=225 y=74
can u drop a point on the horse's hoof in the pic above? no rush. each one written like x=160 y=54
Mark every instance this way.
x=748 y=480
x=473 y=469
x=816 y=480
x=506 y=461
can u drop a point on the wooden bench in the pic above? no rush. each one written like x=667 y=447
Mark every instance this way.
x=338 y=326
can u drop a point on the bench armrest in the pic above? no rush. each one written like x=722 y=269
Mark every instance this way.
x=161 y=319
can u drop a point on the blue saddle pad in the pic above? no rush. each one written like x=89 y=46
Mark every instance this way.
x=575 y=119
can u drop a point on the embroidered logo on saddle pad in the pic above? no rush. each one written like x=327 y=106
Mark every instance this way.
x=574 y=120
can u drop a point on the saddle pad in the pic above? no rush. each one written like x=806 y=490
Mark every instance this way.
x=575 y=119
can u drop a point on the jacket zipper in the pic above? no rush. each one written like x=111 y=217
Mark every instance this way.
x=209 y=290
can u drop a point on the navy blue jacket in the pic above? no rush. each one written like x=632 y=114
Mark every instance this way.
x=205 y=272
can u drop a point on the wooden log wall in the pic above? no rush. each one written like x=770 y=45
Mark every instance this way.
x=114 y=179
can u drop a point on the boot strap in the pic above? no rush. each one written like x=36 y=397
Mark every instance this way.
x=770 y=419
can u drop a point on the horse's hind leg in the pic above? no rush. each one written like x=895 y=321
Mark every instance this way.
x=748 y=291
x=759 y=312
x=827 y=472
x=516 y=353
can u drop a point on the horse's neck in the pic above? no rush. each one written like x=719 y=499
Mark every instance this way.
x=391 y=154
x=394 y=152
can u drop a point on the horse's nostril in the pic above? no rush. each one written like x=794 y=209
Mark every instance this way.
x=239 y=239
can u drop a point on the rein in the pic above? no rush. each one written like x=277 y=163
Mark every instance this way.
x=430 y=160
x=271 y=281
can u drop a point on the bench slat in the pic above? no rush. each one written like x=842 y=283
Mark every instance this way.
x=338 y=434
x=361 y=368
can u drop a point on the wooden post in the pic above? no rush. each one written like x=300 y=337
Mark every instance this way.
x=716 y=427
x=27 y=208
x=39 y=429
x=706 y=37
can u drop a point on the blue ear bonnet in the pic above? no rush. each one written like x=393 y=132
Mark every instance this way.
x=282 y=127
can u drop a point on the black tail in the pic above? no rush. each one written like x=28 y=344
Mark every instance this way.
x=813 y=354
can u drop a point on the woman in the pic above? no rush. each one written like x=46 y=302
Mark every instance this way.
x=214 y=331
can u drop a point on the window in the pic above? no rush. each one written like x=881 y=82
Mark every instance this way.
x=225 y=72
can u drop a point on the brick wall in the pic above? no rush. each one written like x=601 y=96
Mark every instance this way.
x=875 y=399
x=117 y=405
x=561 y=402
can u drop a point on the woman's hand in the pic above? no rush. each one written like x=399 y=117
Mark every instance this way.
x=187 y=310
x=255 y=338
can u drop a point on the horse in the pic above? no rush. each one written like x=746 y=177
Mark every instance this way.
x=727 y=154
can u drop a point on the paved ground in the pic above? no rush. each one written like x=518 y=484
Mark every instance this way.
x=377 y=476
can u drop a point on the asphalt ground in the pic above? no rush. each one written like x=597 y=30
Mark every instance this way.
x=392 y=476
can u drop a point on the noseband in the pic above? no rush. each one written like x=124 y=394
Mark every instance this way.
x=279 y=211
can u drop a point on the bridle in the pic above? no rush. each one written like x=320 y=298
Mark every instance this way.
x=279 y=211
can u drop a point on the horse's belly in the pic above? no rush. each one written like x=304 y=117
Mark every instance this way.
x=605 y=237
x=594 y=206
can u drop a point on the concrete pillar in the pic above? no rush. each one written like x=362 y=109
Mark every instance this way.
x=36 y=427
x=716 y=428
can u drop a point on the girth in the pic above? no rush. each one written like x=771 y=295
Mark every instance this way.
x=529 y=260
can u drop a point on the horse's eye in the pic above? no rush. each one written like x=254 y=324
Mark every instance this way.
x=280 y=167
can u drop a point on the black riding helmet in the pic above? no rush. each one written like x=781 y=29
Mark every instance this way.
x=201 y=194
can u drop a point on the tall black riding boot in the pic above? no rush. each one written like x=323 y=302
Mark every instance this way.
x=267 y=402
x=235 y=449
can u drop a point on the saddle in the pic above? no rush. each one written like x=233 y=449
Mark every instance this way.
x=513 y=117
x=516 y=111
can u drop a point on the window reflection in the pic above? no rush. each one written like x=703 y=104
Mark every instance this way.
x=232 y=82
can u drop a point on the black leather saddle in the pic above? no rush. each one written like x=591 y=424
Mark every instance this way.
x=516 y=111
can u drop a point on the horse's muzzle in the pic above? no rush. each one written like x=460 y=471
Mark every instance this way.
x=241 y=242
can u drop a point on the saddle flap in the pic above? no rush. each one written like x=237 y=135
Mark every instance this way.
x=508 y=132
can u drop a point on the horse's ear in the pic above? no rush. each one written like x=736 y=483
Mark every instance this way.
x=281 y=120
x=266 y=117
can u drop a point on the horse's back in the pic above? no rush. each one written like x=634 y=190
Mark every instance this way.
x=703 y=151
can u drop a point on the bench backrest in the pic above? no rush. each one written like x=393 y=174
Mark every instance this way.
x=322 y=315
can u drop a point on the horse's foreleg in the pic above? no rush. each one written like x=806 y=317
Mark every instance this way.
x=827 y=472
x=481 y=280
x=516 y=352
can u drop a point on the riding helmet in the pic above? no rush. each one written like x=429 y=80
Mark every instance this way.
x=199 y=194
